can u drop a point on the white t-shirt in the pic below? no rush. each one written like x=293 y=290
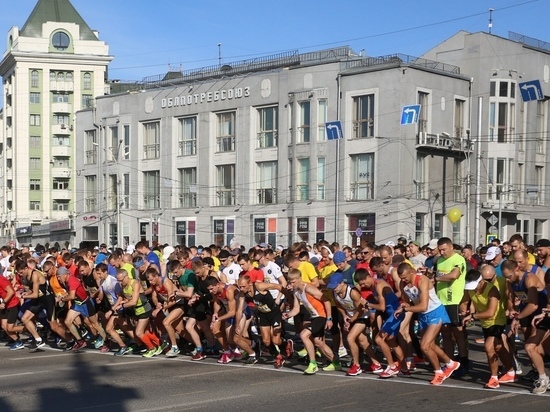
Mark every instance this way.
x=5 y=263
x=272 y=273
x=232 y=273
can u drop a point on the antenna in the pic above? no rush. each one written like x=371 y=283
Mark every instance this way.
x=491 y=10
x=220 y=54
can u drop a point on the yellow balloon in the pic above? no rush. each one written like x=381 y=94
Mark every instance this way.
x=454 y=215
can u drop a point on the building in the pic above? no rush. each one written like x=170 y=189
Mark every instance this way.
x=52 y=67
x=239 y=152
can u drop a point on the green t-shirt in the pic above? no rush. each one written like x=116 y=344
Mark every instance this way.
x=188 y=279
x=450 y=293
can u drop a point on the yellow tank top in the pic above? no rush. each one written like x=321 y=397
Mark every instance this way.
x=481 y=303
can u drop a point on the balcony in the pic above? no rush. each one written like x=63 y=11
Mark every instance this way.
x=226 y=197
x=187 y=148
x=9 y=89
x=362 y=191
x=267 y=196
x=62 y=108
x=188 y=200
x=61 y=129
x=61 y=194
x=61 y=86
x=61 y=151
x=61 y=172
x=444 y=144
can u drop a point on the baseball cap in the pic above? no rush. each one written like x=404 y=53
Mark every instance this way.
x=280 y=248
x=415 y=242
x=335 y=280
x=390 y=243
x=263 y=245
x=543 y=243
x=62 y=270
x=339 y=257
x=402 y=240
x=236 y=251
x=432 y=244
x=314 y=261
x=167 y=251
x=224 y=254
x=473 y=284
x=492 y=252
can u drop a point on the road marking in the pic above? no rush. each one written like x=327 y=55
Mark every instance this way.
x=41 y=357
x=130 y=362
x=21 y=374
x=188 y=393
x=263 y=383
x=97 y=406
x=493 y=398
x=340 y=406
x=201 y=402
x=407 y=393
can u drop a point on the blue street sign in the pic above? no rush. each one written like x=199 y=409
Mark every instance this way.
x=334 y=130
x=410 y=114
x=531 y=90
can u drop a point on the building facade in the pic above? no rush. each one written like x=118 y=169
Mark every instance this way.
x=52 y=67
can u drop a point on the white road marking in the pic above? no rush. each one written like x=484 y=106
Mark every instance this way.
x=492 y=398
x=187 y=404
x=41 y=357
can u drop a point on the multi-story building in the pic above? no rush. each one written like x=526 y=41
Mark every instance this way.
x=53 y=66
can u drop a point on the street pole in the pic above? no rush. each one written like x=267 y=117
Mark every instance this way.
x=478 y=173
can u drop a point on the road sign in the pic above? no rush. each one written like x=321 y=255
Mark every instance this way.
x=493 y=229
x=531 y=90
x=410 y=114
x=334 y=130
x=358 y=232
x=492 y=219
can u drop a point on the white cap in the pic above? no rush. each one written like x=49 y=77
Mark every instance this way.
x=492 y=253
x=473 y=284
x=167 y=251
x=432 y=244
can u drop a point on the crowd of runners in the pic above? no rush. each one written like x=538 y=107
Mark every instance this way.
x=389 y=308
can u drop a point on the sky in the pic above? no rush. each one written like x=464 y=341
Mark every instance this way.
x=150 y=37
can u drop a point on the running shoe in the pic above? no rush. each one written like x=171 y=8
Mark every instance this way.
x=17 y=345
x=438 y=379
x=237 y=354
x=104 y=349
x=123 y=351
x=70 y=345
x=354 y=370
x=164 y=344
x=150 y=353
x=9 y=342
x=449 y=369
x=172 y=352
x=541 y=385
x=289 y=348
x=508 y=378
x=333 y=366
x=80 y=344
x=198 y=356
x=279 y=361
x=302 y=353
x=376 y=368
x=98 y=343
x=226 y=357
x=342 y=352
x=492 y=384
x=158 y=350
x=517 y=367
x=252 y=360
x=311 y=369
x=390 y=371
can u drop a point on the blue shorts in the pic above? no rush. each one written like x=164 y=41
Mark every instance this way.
x=434 y=317
x=86 y=309
x=392 y=324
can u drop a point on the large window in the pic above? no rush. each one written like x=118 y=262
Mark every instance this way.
x=125 y=191
x=225 y=188
x=91 y=148
x=35 y=163
x=60 y=205
x=363 y=116
x=87 y=81
x=151 y=190
x=321 y=178
x=362 y=176
x=62 y=119
x=186 y=232
x=322 y=107
x=302 y=180
x=35 y=141
x=500 y=178
x=267 y=182
x=224 y=231
x=188 y=187
x=419 y=228
x=267 y=127
x=420 y=172
x=226 y=132
x=187 y=137
x=35 y=79
x=542 y=128
x=34 y=205
x=60 y=184
x=91 y=194
x=35 y=184
x=151 y=140
x=304 y=128
x=126 y=147
x=502 y=116
x=35 y=120
x=34 y=98
x=60 y=98
x=265 y=230
x=87 y=101
x=423 y=121
x=459 y=118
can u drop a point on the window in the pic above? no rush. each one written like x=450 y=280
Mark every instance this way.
x=188 y=187
x=225 y=190
x=151 y=190
x=362 y=176
x=151 y=140
x=187 y=144
x=302 y=183
x=34 y=205
x=363 y=116
x=62 y=119
x=322 y=106
x=126 y=154
x=540 y=136
x=320 y=229
x=60 y=98
x=456 y=233
x=321 y=177
x=91 y=194
x=35 y=141
x=539 y=178
x=114 y=144
x=125 y=191
x=302 y=229
x=424 y=102
x=34 y=98
x=304 y=128
x=87 y=80
x=60 y=184
x=61 y=141
x=226 y=132
x=60 y=41
x=267 y=182
x=62 y=162
x=35 y=184
x=185 y=232
x=35 y=120
x=224 y=231
x=367 y=223
x=419 y=182
x=60 y=205
x=265 y=230
x=419 y=227
x=500 y=178
x=502 y=116
x=87 y=101
x=112 y=192
x=437 y=226
x=459 y=118
x=539 y=229
x=267 y=127
x=91 y=146
x=35 y=79
x=35 y=163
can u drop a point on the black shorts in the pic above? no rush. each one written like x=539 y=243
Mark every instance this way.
x=526 y=322
x=360 y=321
x=197 y=313
x=495 y=331
x=145 y=315
x=10 y=314
x=336 y=319
x=544 y=324
x=44 y=302
x=317 y=327
x=454 y=314
x=273 y=318
x=304 y=315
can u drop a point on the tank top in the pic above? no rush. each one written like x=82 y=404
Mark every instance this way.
x=481 y=303
x=413 y=293
x=264 y=302
x=222 y=296
x=142 y=304
x=314 y=306
x=347 y=303
x=520 y=290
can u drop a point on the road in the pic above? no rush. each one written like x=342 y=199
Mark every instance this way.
x=53 y=380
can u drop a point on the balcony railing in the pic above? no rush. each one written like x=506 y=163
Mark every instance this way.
x=187 y=147
x=444 y=142
x=226 y=144
x=226 y=197
x=151 y=151
x=267 y=139
x=267 y=196
x=188 y=200
x=362 y=191
x=302 y=192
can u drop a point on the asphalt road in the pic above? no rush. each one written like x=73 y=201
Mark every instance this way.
x=91 y=381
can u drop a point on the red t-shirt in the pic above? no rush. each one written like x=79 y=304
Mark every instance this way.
x=4 y=284
x=74 y=284
x=255 y=275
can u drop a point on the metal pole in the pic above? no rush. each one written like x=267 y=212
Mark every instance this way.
x=337 y=185
x=499 y=193
x=478 y=173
